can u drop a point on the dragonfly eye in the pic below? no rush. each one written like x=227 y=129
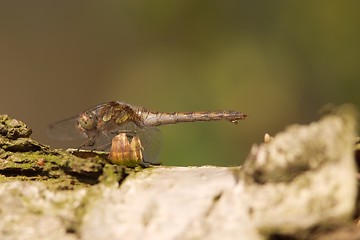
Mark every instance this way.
x=86 y=122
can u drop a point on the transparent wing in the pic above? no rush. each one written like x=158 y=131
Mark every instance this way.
x=65 y=130
x=150 y=138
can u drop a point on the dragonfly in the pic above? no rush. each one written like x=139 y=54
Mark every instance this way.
x=100 y=124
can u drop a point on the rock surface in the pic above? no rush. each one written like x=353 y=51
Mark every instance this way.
x=304 y=177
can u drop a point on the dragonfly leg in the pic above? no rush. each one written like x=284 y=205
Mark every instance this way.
x=129 y=134
x=90 y=142
x=145 y=163
x=106 y=145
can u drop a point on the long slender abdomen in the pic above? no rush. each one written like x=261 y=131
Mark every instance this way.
x=162 y=118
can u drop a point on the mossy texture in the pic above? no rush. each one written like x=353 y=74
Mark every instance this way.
x=22 y=158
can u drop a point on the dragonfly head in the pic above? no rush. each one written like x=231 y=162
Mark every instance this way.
x=86 y=123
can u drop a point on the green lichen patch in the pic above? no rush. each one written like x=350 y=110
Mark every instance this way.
x=21 y=145
x=60 y=169
x=24 y=159
x=113 y=173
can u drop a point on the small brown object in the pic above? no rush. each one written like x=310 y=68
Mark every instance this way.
x=40 y=162
x=124 y=152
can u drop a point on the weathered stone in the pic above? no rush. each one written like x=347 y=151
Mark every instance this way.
x=29 y=210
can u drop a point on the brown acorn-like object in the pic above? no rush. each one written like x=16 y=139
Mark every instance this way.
x=124 y=152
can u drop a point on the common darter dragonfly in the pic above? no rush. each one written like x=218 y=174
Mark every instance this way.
x=100 y=124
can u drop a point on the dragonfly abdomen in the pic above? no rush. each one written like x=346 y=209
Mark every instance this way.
x=162 y=118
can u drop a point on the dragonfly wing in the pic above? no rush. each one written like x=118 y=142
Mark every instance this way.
x=65 y=130
x=151 y=140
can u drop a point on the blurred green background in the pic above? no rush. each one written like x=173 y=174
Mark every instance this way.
x=277 y=61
